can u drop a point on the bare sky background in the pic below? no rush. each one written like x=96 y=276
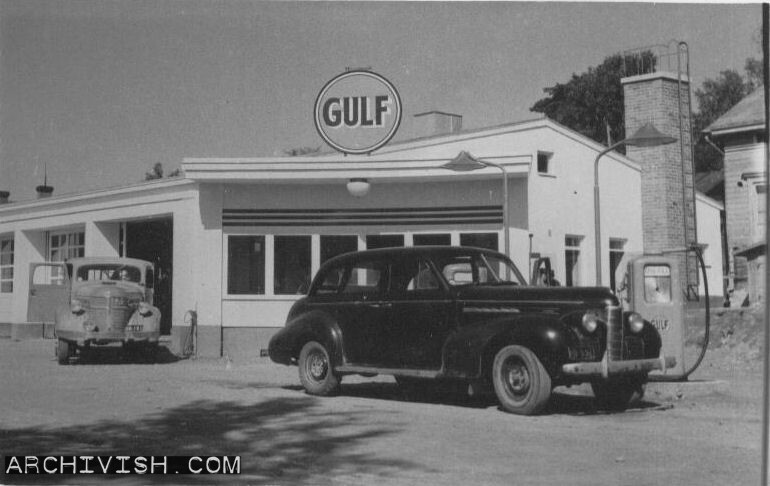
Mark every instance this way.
x=102 y=90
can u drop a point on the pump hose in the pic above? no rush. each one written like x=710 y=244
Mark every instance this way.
x=683 y=377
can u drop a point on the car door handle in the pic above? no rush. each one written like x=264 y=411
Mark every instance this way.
x=383 y=305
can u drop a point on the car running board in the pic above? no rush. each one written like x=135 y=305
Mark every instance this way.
x=388 y=371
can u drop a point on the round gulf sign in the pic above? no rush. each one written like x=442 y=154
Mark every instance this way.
x=357 y=112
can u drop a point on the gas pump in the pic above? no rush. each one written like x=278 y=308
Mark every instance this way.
x=652 y=287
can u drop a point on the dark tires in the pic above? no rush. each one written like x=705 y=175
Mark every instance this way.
x=521 y=382
x=617 y=395
x=63 y=351
x=315 y=370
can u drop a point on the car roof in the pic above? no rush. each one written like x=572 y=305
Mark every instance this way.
x=107 y=260
x=435 y=250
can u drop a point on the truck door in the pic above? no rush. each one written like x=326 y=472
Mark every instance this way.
x=49 y=288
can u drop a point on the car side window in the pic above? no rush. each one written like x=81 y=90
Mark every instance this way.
x=331 y=281
x=413 y=275
x=366 y=277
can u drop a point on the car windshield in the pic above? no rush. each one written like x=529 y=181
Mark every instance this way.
x=479 y=269
x=109 y=271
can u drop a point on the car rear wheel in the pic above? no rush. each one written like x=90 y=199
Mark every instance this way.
x=63 y=351
x=616 y=395
x=522 y=384
x=315 y=370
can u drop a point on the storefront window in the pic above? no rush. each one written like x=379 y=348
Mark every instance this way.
x=384 y=241
x=246 y=265
x=444 y=239
x=333 y=245
x=572 y=260
x=6 y=265
x=292 y=265
x=616 y=255
x=63 y=246
x=480 y=240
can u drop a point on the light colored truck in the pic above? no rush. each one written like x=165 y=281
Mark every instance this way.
x=110 y=301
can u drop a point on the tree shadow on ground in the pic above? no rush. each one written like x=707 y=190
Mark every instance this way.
x=279 y=441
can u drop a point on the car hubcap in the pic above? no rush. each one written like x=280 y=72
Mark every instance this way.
x=517 y=378
x=317 y=366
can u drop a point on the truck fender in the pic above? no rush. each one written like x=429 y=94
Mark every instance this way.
x=150 y=322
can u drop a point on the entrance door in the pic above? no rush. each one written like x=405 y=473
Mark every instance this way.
x=49 y=288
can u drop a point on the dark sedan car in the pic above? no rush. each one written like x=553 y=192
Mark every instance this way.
x=464 y=315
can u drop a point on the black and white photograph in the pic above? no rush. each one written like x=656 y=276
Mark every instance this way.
x=383 y=243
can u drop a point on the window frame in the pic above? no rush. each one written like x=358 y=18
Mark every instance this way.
x=6 y=266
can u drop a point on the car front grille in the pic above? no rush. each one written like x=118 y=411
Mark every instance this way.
x=615 y=341
x=633 y=348
x=588 y=349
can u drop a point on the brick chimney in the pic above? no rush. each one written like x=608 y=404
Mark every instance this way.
x=668 y=189
x=434 y=122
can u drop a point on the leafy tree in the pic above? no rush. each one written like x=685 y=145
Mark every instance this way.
x=714 y=99
x=592 y=102
x=294 y=152
x=157 y=172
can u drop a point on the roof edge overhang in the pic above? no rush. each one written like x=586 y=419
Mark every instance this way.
x=718 y=132
x=391 y=163
x=57 y=200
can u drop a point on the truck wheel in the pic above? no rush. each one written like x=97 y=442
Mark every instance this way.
x=522 y=384
x=63 y=352
x=315 y=370
x=617 y=395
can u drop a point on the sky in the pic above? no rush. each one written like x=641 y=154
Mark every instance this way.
x=98 y=91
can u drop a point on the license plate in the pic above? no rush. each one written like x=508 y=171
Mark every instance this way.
x=134 y=328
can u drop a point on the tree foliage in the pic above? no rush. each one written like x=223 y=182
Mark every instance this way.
x=714 y=99
x=592 y=102
x=157 y=172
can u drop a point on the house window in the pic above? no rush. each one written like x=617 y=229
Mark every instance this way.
x=6 y=265
x=480 y=240
x=759 y=211
x=572 y=260
x=63 y=246
x=246 y=265
x=544 y=162
x=384 y=241
x=333 y=245
x=617 y=246
x=291 y=265
x=443 y=239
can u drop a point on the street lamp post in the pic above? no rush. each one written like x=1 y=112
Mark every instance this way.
x=646 y=136
x=465 y=162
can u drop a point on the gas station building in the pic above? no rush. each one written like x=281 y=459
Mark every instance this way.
x=238 y=240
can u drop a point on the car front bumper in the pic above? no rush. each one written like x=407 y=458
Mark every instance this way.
x=606 y=368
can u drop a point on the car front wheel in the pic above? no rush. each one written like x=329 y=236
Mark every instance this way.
x=522 y=384
x=315 y=370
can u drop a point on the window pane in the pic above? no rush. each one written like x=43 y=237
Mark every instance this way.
x=292 y=264
x=384 y=241
x=444 y=239
x=480 y=240
x=332 y=245
x=6 y=287
x=365 y=277
x=246 y=265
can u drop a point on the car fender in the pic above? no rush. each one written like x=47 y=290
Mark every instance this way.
x=470 y=351
x=318 y=326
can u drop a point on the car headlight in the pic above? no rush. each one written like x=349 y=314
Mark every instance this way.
x=76 y=306
x=635 y=323
x=590 y=321
x=144 y=309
